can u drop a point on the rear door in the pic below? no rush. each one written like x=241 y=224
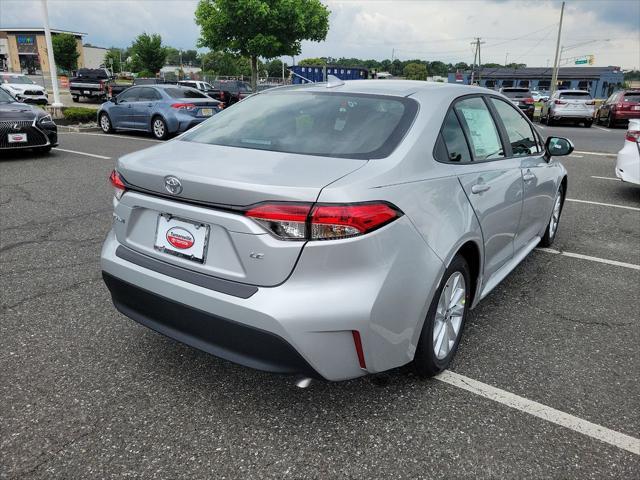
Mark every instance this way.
x=492 y=182
x=539 y=177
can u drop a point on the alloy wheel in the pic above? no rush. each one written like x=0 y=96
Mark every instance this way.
x=555 y=217
x=158 y=128
x=449 y=315
x=105 y=124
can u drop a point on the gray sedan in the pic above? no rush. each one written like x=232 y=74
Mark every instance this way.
x=333 y=230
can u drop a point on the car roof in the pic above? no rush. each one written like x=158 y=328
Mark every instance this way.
x=398 y=88
x=574 y=90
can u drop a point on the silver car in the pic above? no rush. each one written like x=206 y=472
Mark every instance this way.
x=332 y=230
x=577 y=106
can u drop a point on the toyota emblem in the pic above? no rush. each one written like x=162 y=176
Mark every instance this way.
x=172 y=185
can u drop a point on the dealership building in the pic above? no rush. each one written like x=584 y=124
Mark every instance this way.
x=24 y=50
x=599 y=81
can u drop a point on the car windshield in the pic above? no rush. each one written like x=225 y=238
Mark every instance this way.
x=5 y=97
x=312 y=123
x=17 y=79
x=576 y=95
x=184 y=93
x=632 y=97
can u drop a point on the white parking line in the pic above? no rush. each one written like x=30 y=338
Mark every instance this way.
x=601 y=154
x=600 y=128
x=598 y=432
x=603 y=204
x=606 y=178
x=587 y=257
x=82 y=153
x=111 y=135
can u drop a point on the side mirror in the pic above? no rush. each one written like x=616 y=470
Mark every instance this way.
x=114 y=100
x=558 y=146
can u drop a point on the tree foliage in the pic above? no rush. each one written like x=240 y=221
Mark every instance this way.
x=260 y=28
x=415 y=71
x=65 y=51
x=148 y=53
x=112 y=59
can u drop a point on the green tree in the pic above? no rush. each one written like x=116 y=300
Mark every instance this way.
x=415 y=71
x=173 y=56
x=313 y=62
x=112 y=59
x=65 y=51
x=148 y=53
x=438 y=68
x=260 y=28
x=274 y=68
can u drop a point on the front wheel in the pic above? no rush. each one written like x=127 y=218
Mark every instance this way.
x=552 y=227
x=159 y=128
x=105 y=123
x=445 y=320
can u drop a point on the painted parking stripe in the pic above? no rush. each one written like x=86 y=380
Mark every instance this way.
x=603 y=204
x=592 y=259
x=82 y=153
x=598 y=432
x=111 y=135
x=605 y=178
x=600 y=128
x=601 y=154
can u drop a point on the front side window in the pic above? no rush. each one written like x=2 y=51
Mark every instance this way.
x=312 y=123
x=481 y=131
x=148 y=95
x=129 y=95
x=521 y=137
x=453 y=137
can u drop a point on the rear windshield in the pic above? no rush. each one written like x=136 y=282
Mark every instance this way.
x=575 y=95
x=17 y=79
x=184 y=93
x=313 y=123
x=632 y=97
x=517 y=92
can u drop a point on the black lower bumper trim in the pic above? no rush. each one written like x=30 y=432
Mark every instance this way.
x=224 y=338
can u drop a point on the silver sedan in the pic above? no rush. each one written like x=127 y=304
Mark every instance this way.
x=333 y=230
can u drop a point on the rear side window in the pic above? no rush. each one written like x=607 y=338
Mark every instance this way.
x=631 y=97
x=312 y=123
x=456 y=148
x=184 y=93
x=575 y=95
x=521 y=137
x=480 y=129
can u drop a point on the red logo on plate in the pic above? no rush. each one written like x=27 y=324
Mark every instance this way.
x=180 y=238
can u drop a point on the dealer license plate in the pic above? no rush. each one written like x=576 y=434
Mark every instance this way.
x=17 y=138
x=206 y=112
x=182 y=238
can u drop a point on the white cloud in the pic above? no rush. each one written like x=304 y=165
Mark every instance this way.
x=432 y=30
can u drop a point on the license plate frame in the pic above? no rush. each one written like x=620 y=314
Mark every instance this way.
x=17 y=138
x=170 y=237
x=635 y=107
x=206 y=112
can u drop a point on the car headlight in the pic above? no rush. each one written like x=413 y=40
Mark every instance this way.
x=46 y=119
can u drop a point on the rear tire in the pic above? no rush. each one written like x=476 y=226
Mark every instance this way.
x=75 y=99
x=447 y=314
x=588 y=124
x=105 y=123
x=554 y=222
x=159 y=128
x=611 y=123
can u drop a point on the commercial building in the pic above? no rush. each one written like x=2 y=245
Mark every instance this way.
x=93 y=56
x=600 y=81
x=24 y=50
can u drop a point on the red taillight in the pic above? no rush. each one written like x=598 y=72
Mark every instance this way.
x=117 y=183
x=560 y=102
x=322 y=222
x=183 y=106
x=528 y=101
x=633 y=135
x=357 y=341
x=221 y=105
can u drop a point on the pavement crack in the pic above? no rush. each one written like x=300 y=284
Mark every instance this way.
x=56 y=220
x=68 y=288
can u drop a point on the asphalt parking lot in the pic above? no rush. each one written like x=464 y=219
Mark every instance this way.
x=88 y=393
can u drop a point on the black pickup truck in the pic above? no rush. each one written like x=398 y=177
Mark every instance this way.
x=92 y=83
x=117 y=88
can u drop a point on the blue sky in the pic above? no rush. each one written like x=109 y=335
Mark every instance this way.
x=522 y=31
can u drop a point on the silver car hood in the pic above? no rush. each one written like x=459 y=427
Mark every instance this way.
x=232 y=176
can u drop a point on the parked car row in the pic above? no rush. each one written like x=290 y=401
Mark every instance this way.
x=23 y=126
x=23 y=88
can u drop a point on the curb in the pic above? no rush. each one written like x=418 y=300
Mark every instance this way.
x=75 y=129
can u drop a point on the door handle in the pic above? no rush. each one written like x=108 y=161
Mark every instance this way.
x=149 y=104
x=528 y=176
x=480 y=187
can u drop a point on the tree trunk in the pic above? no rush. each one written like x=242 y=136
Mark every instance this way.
x=254 y=72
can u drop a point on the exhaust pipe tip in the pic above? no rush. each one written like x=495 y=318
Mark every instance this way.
x=303 y=382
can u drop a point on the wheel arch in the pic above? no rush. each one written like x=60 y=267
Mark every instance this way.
x=470 y=251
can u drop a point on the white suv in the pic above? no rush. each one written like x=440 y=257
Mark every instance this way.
x=577 y=106
x=23 y=88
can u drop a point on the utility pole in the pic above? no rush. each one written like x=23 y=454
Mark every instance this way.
x=479 y=61
x=393 y=51
x=473 y=66
x=554 y=77
x=52 y=61
x=476 y=54
x=506 y=59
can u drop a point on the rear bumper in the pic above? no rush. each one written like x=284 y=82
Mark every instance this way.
x=213 y=334
x=574 y=114
x=626 y=114
x=331 y=292
x=628 y=163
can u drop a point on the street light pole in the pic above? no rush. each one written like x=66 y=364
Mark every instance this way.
x=554 y=77
x=52 y=62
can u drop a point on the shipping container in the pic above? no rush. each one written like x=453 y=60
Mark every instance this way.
x=316 y=73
